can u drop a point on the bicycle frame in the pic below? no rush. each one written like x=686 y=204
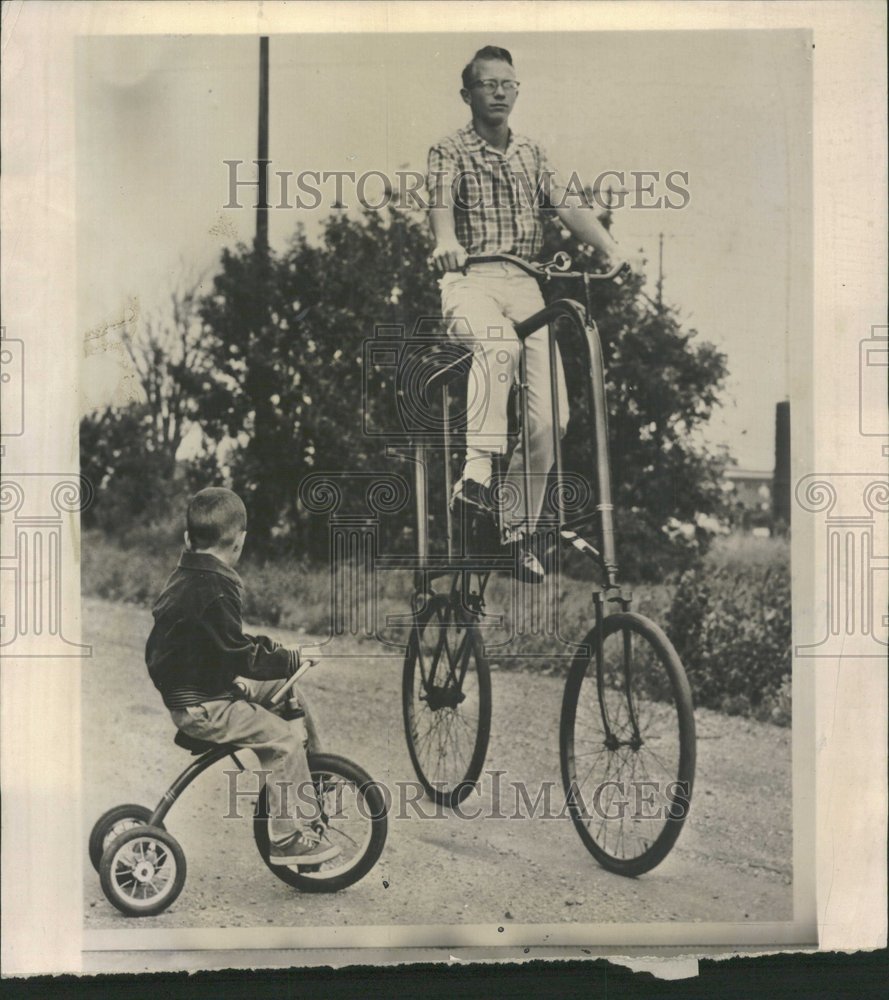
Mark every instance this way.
x=589 y=347
x=585 y=345
x=571 y=332
x=195 y=768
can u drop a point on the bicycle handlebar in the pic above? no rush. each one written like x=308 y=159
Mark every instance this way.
x=556 y=268
x=278 y=696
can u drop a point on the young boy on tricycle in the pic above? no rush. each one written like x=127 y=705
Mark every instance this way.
x=216 y=680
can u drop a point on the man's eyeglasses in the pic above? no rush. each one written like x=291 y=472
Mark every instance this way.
x=490 y=86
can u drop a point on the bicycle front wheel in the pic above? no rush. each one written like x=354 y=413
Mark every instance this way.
x=627 y=744
x=351 y=815
x=446 y=699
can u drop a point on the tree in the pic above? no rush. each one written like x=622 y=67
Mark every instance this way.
x=288 y=393
x=130 y=453
x=289 y=390
x=127 y=475
x=168 y=353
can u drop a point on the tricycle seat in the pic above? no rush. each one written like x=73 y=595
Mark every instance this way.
x=196 y=746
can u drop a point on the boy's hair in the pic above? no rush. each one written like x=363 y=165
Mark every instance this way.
x=215 y=516
x=488 y=52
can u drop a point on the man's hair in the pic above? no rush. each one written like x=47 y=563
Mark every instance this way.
x=488 y=52
x=215 y=516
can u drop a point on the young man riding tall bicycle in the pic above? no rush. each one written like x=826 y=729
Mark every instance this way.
x=488 y=187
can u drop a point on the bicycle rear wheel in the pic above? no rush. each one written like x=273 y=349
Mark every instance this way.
x=112 y=824
x=627 y=744
x=446 y=699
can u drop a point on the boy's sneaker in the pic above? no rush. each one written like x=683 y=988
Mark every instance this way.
x=302 y=849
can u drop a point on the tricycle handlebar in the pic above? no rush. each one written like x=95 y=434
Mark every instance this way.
x=278 y=696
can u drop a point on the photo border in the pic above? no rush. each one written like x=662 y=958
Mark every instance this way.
x=38 y=213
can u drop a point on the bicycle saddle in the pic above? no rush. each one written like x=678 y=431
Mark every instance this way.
x=448 y=362
x=438 y=362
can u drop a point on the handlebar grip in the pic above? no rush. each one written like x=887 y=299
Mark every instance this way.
x=278 y=696
x=620 y=272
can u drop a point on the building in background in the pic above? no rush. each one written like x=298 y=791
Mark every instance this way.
x=751 y=491
x=761 y=499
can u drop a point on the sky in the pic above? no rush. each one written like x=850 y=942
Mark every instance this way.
x=158 y=116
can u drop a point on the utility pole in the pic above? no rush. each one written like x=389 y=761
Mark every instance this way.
x=781 y=477
x=660 y=271
x=262 y=156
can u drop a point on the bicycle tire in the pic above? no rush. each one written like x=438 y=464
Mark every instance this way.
x=437 y=718
x=134 y=862
x=366 y=813
x=112 y=823
x=662 y=763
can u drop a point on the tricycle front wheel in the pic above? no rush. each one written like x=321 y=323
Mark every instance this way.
x=352 y=814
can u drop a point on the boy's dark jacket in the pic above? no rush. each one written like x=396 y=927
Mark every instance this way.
x=197 y=646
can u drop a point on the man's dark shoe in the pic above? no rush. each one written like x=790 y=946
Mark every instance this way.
x=470 y=492
x=473 y=505
x=527 y=565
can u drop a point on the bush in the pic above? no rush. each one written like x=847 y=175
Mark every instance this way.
x=730 y=621
x=134 y=568
x=130 y=575
x=647 y=553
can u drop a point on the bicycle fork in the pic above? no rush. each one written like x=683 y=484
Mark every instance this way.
x=612 y=742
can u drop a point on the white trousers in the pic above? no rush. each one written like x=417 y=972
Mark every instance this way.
x=481 y=307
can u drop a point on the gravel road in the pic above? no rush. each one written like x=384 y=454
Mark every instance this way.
x=731 y=863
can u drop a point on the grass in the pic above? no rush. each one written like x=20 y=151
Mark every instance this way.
x=740 y=551
x=294 y=595
x=719 y=615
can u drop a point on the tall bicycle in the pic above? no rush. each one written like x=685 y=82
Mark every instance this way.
x=627 y=731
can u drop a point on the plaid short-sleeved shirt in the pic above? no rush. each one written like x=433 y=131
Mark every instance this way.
x=497 y=196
